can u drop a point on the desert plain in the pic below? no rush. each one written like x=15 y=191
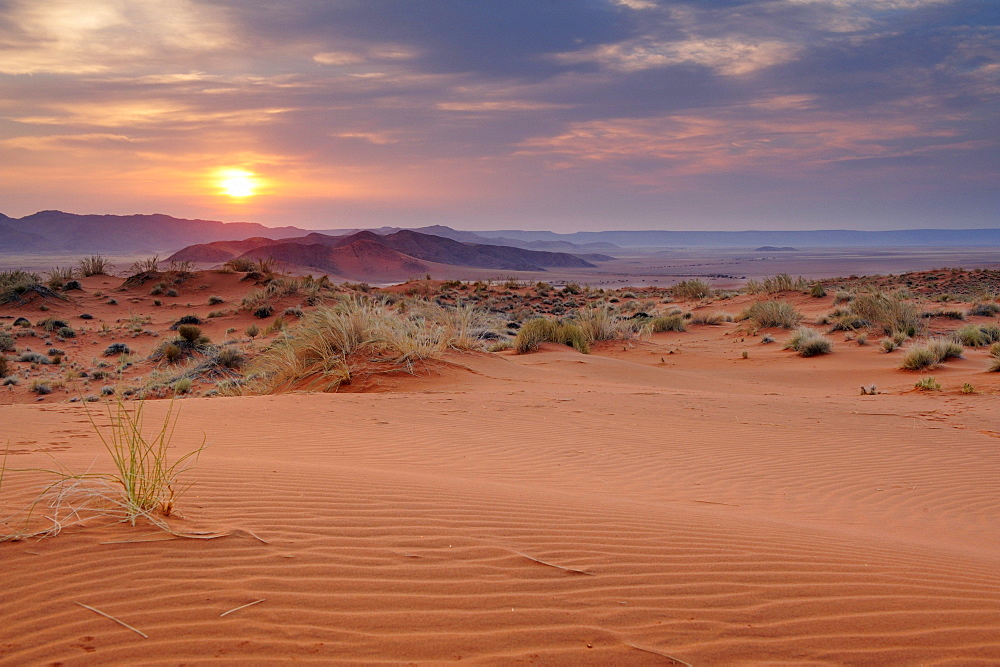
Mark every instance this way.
x=694 y=495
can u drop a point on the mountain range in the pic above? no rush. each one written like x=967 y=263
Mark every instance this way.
x=374 y=256
x=56 y=231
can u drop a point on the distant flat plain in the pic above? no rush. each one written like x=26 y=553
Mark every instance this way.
x=722 y=267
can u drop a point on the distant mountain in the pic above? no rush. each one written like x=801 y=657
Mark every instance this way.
x=56 y=231
x=753 y=239
x=403 y=252
x=771 y=248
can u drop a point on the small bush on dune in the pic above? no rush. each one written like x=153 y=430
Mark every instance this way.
x=994 y=366
x=930 y=354
x=691 y=289
x=543 y=330
x=711 y=319
x=95 y=265
x=605 y=323
x=928 y=383
x=817 y=291
x=767 y=314
x=808 y=342
x=5 y=368
x=892 y=312
x=667 y=323
x=984 y=310
x=977 y=335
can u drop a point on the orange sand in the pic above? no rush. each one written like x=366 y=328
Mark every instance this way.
x=650 y=503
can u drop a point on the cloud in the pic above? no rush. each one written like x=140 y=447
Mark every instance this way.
x=63 y=36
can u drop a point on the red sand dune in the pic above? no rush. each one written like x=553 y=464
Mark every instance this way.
x=661 y=502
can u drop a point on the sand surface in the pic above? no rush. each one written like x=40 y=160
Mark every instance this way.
x=662 y=502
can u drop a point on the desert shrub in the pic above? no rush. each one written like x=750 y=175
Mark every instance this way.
x=542 y=330
x=994 y=366
x=215 y=300
x=928 y=383
x=984 y=309
x=5 y=367
x=667 y=323
x=889 y=311
x=148 y=265
x=116 y=349
x=808 y=342
x=66 y=332
x=712 y=319
x=187 y=319
x=95 y=265
x=973 y=335
x=293 y=311
x=263 y=312
x=239 y=264
x=691 y=289
x=182 y=386
x=330 y=346
x=41 y=387
x=950 y=314
x=817 y=291
x=783 y=283
x=604 y=323
x=571 y=288
x=33 y=358
x=52 y=324
x=171 y=293
x=534 y=332
x=58 y=277
x=968 y=389
x=230 y=357
x=888 y=344
x=930 y=354
x=172 y=352
x=216 y=313
x=766 y=314
x=7 y=343
x=189 y=332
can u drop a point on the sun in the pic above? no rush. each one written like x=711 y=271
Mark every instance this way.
x=238 y=183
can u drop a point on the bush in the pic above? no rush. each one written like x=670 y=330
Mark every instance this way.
x=808 y=342
x=891 y=312
x=6 y=343
x=189 y=332
x=95 y=265
x=116 y=349
x=766 y=314
x=973 y=335
x=667 y=323
x=5 y=368
x=33 y=358
x=817 y=291
x=67 y=332
x=932 y=353
x=542 y=330
x=215 y=300
x=928 y=383
x=691 y=289
x=172 y=352
x=263 y=312
x=994 y=358
x=984 y=310
x=182 y=386
x=230 y=357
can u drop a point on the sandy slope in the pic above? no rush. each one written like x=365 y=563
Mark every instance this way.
x=630 y=506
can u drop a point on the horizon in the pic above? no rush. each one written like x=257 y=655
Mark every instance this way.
x=604 y=115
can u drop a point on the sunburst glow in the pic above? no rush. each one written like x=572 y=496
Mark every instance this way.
x=238 y=183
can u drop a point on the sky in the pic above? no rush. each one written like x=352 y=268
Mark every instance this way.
x=506 y=114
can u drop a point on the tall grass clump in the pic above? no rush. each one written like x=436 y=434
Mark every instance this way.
x=603 y=323
x=932 y=353
x=994 y=366
x=775 y=284
x=145 y=483
x=666 y=323
x=359 y=336
x=984 y=310
x=766 y=314
x=543 y=330
x=691 y=289
x=95 y=265
x=891 y=312
x=808 y=342
x=977 y=335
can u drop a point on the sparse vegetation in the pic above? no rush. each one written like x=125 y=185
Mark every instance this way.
x=691 y=289
x=767 y=314
x=808 y=342
x=930 y=354
x=928 y=383
x=95 y=265
x=978 y=335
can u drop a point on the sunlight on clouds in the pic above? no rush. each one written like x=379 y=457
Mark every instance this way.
x=636 y=4
x=731 y=56
x=67 y=36
x=783 y=137
x=141 y=114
